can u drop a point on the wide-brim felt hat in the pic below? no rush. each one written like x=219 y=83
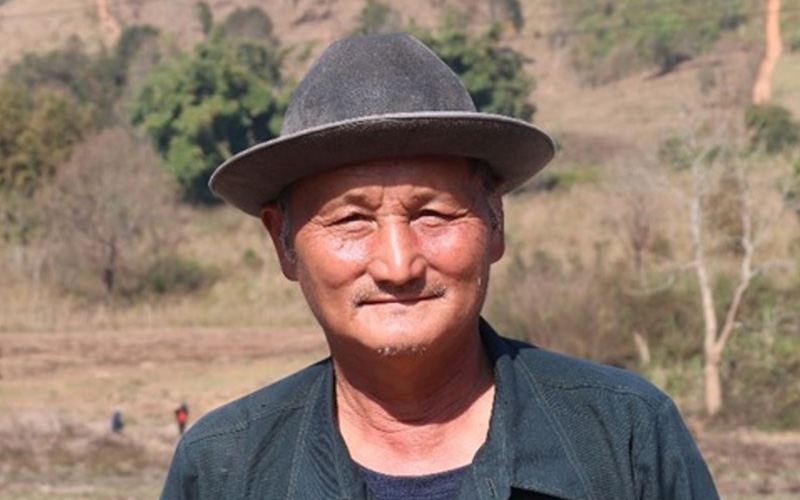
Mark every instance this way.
x=375 y=97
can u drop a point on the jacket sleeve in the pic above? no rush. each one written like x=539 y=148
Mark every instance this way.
x=181 y=483
x=666 y=461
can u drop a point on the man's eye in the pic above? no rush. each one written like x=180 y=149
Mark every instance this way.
x=351 y=218
x=433 y=216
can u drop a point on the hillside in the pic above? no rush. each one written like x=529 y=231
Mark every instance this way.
x=641 y=109
x=611 y=136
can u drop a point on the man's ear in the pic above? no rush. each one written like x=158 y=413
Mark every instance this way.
x=273 y=221
x=497 y=237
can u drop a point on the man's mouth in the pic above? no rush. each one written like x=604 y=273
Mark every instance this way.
x=381 y=297
x=396 y=300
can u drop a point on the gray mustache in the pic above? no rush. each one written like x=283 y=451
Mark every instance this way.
x=415 y=290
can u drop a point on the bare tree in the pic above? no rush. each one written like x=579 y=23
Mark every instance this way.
x=748 y=237
x=109 y=209
x=639 y=189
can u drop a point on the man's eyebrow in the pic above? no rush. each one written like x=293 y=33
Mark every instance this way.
x=354 y=197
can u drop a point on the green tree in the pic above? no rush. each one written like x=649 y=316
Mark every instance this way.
x=772 y=128
x=48 y=103
x=95 y=81
x=494 y=75
x=618 y=36
x=131 y=43
x=205 y=16
x=249 y=24
x=510 y=10
x=375 y=17
x=202 y=107
x=792 y=191
x=37 y=132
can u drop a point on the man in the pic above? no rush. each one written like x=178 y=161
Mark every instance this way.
x=383 y=200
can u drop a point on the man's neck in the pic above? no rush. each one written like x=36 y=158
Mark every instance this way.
x=418 y=413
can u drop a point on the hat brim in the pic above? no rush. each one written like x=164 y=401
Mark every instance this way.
x=516 y=150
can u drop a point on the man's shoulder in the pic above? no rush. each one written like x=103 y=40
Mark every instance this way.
x=273 y=401
x=567 y=374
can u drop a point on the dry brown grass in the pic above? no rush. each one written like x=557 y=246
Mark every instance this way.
x=58 y=391
x=785 y=87
x=42 y=25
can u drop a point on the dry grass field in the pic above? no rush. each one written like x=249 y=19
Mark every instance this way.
x=58 y=390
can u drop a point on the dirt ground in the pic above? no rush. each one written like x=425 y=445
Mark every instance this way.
x=58 y=390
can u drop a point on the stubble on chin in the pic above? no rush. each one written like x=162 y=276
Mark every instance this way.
x=365 y=295
x=401 y=350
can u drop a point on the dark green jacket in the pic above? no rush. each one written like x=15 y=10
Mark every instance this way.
x=560 y=428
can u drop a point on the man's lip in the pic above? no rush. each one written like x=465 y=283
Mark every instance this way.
x=396 y=300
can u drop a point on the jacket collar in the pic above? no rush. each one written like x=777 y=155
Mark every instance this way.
x=321 y=466
x=526 y=447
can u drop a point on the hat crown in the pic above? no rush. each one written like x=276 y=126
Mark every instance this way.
x=374 y=75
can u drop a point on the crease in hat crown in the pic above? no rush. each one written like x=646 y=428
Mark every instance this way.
x=388 y=88
x=395 y=74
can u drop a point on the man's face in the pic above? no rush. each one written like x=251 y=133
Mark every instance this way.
x=392 y=255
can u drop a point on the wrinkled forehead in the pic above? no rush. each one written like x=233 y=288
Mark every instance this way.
x=423 y=174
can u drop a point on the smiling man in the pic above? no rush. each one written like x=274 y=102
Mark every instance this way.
x=383 y=200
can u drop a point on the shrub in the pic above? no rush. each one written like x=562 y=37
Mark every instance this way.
x=174 y=274
x=589 y=311
x=617 y=37
x=762 y=368
x=95 y=81
x=772 y=128
x=375 y=17
x=564 y=179
x=252 y=260
x=792 y=191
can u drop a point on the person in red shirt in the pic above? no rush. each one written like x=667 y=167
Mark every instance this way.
x=181 y=417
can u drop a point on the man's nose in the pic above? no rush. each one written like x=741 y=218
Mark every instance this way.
x=396 y=257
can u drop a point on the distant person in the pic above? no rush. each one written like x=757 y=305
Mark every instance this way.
x=117 y=422
x=383 y=199
x=181 y=417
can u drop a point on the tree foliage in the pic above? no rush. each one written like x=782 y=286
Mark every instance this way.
x=205 y=16
x=375 y=17
x=95 y=81
x=249 y=24
x=510 y=10
x=772 y=128
x=494 y=75
x=615 y=37
x=202 y=107
x=92 y=81
x=37 y=131
x=48 y=103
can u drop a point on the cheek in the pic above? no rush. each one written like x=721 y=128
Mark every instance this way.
x=330 y=262
x=461 y=250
